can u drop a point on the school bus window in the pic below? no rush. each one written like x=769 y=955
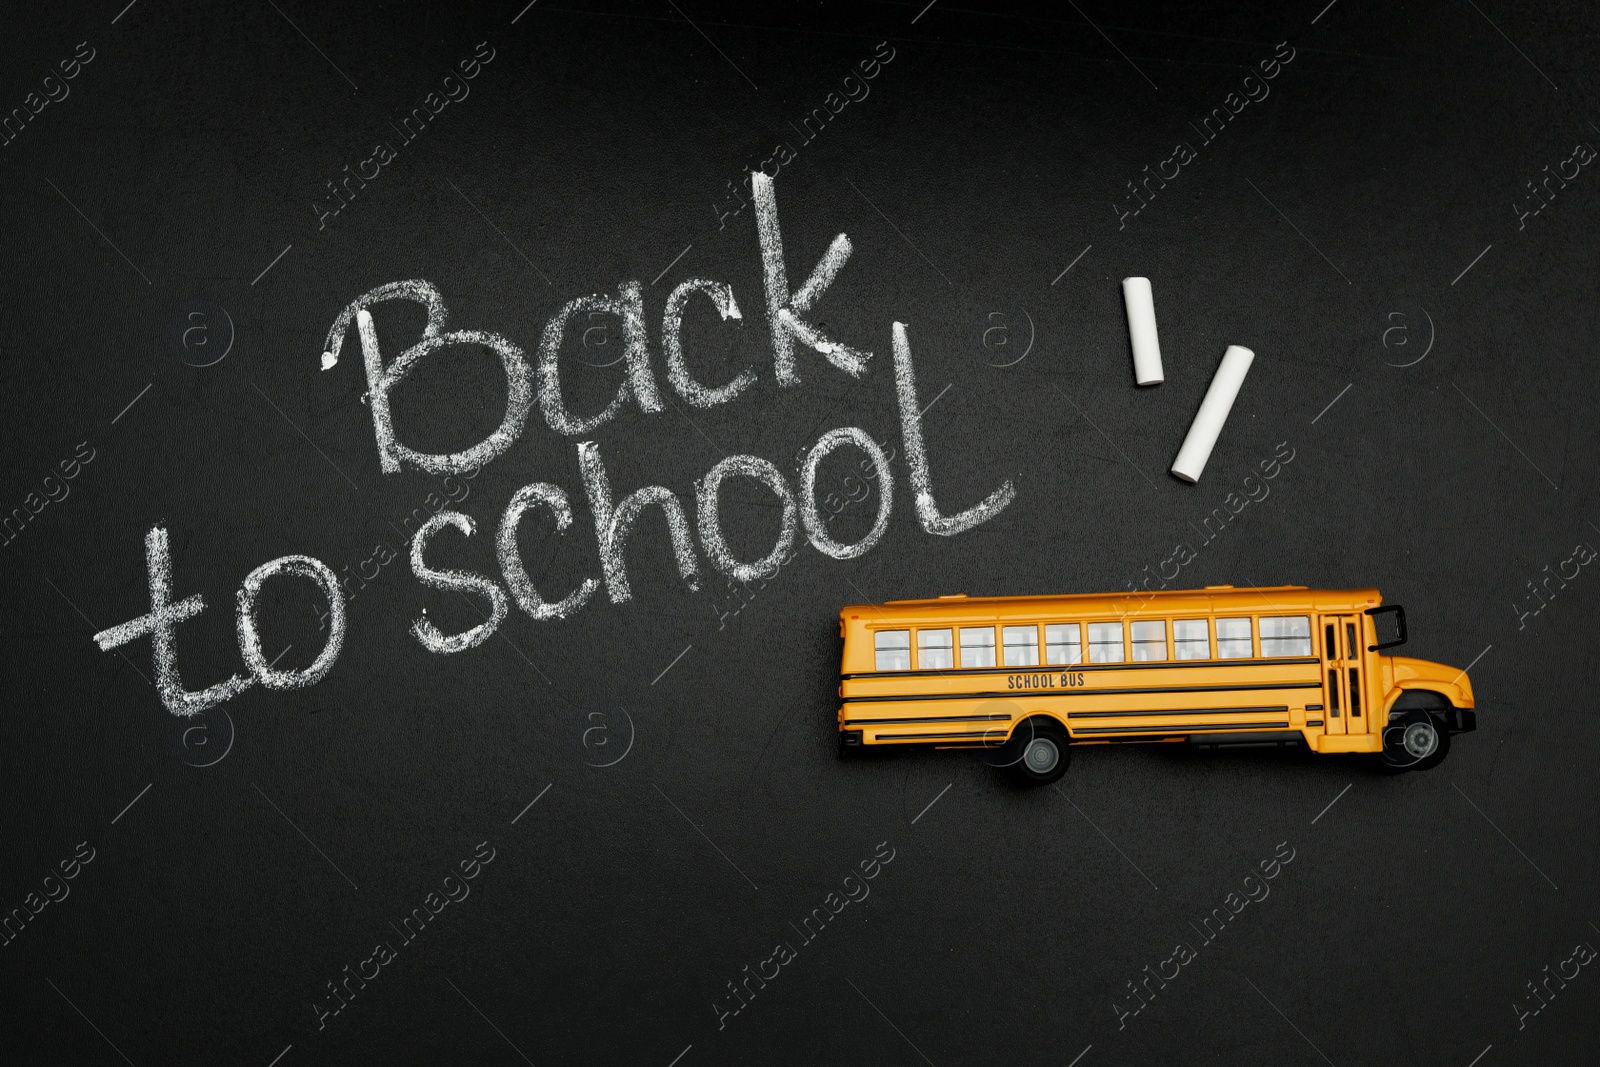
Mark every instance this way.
x=1191 y=639
x=1330 y=644
x=1286 y=635
x=933 y=650
x=977 y=646
x=1149 y=640
x=1063 y=644
x=1021 y=646
x=1105 y=642
x=1233 y=639
x=894 y=650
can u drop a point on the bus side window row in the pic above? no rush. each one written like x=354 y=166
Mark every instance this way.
x=1285 y=636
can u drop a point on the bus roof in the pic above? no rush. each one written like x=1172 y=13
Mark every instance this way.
x=1248 y=599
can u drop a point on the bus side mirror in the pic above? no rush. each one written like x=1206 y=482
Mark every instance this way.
x=1399 y=614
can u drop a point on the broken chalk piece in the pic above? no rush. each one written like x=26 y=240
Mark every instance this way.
x=1141 y=305
x=1207 y=425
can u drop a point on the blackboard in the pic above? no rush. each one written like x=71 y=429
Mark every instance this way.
x=584 y=838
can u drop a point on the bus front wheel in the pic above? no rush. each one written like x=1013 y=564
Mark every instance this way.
x=1414 y=741
x=1038 y=753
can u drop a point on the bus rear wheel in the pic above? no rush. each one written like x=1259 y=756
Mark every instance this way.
x=1037 y=753
x=1414 y=741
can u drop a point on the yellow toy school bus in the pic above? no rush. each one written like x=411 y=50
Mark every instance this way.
x=1216 y=666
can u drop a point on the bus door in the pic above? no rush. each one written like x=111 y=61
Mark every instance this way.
x=1344 y=709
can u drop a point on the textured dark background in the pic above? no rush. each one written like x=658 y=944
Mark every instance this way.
x=594 y=148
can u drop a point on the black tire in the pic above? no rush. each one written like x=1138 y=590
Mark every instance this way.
x=1441 y=725
x=1414 y=741
x=1037 y=752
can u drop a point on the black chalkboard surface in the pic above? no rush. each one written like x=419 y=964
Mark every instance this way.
x=293 y=282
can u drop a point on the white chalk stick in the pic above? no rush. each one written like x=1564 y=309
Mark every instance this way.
x=1207 y=425
x=1141 y=308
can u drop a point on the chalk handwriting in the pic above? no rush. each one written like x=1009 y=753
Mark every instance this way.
x=614 y=520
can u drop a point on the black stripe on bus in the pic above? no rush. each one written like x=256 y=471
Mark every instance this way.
x=1179 y=711
x=1057 y=668
x=980 y=735
x=934 y=718
x=1003 y=694
x=1185 y=728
